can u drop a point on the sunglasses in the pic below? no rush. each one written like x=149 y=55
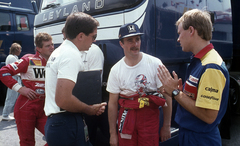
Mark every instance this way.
x=94 y=37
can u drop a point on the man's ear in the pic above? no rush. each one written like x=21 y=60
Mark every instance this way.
x=191 y=30
x=80 y=36
x=121 y=43
x=38 y=49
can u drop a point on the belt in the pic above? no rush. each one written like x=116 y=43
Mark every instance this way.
x=65 y=112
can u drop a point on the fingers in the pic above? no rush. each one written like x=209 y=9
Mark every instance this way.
x=104 y=103
x=160 y=73
x=180 y=86
x=31 y=94
x=165 y=133
x=175 y=75
x=101 y=108
x=180 y=81
x=100 y=112
x=165 y=138
x=163 y=73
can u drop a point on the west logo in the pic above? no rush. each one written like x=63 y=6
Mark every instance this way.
x=39 y=72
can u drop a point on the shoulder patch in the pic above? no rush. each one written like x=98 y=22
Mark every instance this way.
x=190 y=90
x=193 y=79
x=6 y=74
x=35 y=62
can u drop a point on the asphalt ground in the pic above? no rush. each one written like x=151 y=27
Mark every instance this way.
x=234 y=132
x=9 y=136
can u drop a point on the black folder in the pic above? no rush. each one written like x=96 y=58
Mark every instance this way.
x=88 y=87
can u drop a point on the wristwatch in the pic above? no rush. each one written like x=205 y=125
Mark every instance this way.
x=175 y=92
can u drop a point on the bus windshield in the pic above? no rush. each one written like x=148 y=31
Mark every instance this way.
x=102 y=5
x=45 y=3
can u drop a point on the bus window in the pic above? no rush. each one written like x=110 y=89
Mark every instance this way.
x=5 y=23
x=62 y=2
x=91 y=7
x=22 y=22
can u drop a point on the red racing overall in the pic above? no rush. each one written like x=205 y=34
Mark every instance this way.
x=138 y=121
x=28 y=113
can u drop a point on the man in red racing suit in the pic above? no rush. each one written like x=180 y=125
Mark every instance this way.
x=28 y=110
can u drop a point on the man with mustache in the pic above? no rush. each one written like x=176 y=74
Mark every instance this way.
x=134 y=79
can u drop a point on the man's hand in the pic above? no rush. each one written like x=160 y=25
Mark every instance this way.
x=165 y=133
x=29 y=93
x=180 y=85
x=113 y=139
x=168 y=82
x=98 y=109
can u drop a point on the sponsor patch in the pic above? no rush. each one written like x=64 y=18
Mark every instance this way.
x=40 y=85
x=210 y=89
x=124 y=114
x=14 y=66
x=19 y=61
x=190 y=90
x=210 y=97
x=6 y=74
x=52 y=58
x=35 y=62
x=40 y=91
x=193 y=79
x=39 y=72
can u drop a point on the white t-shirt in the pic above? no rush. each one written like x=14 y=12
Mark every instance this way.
x=140 y=78
x=11 y=58
x=65 y=62
x=94 y=58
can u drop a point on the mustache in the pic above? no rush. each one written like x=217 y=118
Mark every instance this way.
x=134 y=48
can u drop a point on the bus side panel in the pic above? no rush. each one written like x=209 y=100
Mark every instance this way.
x=236 y=34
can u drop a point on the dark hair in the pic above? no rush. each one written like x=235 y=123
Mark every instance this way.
x=63 y=32
x=63 y=29
x=79 y=22
x=122 y=40
x=42 y=36
x=14 y=48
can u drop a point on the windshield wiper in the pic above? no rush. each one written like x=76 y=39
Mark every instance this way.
x=52 y=5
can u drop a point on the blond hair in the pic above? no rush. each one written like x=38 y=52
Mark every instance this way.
x=14 y=48
x=199 y=20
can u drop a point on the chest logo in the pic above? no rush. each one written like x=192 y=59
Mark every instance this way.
x=39 y=72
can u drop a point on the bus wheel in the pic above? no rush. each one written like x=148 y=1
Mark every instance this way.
x=234 y=97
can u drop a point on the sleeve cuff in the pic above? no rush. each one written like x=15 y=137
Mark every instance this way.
x=16 y=87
